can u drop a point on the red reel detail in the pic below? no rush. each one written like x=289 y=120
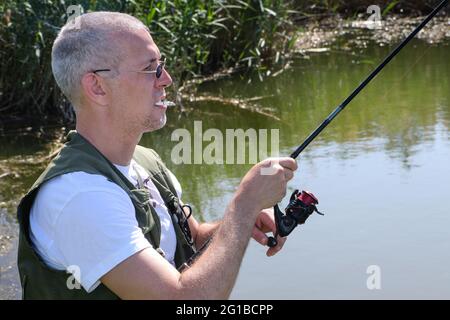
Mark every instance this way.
x=308 y=198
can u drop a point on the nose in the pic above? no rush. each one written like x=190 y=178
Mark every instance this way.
x=164 y=81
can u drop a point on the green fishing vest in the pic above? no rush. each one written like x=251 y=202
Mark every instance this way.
x=42 y=282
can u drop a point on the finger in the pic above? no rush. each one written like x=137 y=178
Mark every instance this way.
x=288 y=163
x=267 y=222
x=288 y=174
x=259 y=236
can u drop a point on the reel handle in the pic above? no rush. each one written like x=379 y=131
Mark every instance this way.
x=272 y=241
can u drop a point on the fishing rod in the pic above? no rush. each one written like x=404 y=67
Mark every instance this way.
x=303 y=204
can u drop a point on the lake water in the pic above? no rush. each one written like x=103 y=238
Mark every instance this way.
x=380 y=171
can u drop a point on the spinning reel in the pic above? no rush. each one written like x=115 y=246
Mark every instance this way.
x=300 y=207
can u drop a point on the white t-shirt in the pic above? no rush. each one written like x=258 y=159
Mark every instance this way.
x=84 y=221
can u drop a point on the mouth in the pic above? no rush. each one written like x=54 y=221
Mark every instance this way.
x=163 y=103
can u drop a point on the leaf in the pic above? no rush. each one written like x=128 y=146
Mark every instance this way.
x=150 y=15
x=389 y=7
x=262 y=43
x=41 y=38
x=261 y=6
x=215 y=23
x=271 y=12
x=162 y=26
x=244 y=4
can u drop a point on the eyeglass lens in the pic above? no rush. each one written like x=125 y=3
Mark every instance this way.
x=159 y=69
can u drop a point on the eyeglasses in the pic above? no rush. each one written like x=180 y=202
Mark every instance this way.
x=158 y=71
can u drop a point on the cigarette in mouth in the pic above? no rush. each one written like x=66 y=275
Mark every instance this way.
x=166 y=103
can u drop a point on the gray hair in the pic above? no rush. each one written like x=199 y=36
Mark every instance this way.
x=86 y=44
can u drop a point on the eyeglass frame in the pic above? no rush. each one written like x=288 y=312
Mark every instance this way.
x=158 y=71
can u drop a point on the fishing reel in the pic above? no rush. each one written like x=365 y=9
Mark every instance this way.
x=300 y=207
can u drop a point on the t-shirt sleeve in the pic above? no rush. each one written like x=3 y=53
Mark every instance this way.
x=96 y=231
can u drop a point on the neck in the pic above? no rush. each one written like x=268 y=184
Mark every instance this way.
x=113 y=144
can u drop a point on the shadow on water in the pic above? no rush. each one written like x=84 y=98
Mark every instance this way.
x=380 y=171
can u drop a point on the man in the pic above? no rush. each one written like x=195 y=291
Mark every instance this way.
x=108 y=210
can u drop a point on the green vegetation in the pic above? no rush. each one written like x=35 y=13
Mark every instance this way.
x=200 y=37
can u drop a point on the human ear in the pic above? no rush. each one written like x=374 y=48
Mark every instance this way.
x=94 y=88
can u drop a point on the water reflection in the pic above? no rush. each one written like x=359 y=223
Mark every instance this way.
x=397 y=113
x=380 y=171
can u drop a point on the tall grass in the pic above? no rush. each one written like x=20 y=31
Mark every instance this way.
x=199 y=38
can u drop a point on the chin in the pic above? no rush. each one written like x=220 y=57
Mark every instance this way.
x=155 y=125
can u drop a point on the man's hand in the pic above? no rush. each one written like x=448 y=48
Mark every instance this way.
x=258 y=191
x=265 y=222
